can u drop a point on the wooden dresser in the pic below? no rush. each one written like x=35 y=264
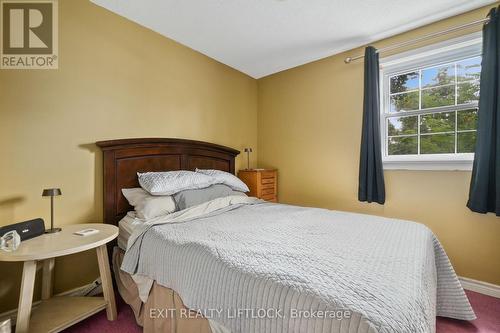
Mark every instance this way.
x=263 y=183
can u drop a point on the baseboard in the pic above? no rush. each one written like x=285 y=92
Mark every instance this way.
x=481 y=287
x=12 y=314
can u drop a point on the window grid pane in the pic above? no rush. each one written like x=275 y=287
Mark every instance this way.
x=460 y=91
x=456 y=119
x=456 y=86
x=442 y=132
x=419 y=102
x=468 y=92
x=466 y=141
x=438 y=75
x=418 y=139
x=406 y=138
x=437 y=143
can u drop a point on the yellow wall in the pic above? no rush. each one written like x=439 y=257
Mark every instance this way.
x=310 y=129
x=115 y=80
x=119 y=80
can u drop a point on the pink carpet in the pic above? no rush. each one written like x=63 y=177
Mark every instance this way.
x=487 y=310
x=488 y=317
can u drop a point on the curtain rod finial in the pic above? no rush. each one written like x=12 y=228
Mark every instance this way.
x=347 y=60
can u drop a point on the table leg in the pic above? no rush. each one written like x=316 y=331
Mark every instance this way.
x=26 y=297
x=47 y=278
x=107 y=283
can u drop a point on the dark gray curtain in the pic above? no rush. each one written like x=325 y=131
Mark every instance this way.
x=484 y=194
x=371 y=175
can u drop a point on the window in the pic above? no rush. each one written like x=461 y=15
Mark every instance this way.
x=429 y=106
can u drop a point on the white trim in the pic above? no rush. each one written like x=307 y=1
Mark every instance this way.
x=428 y=165
x=472 y=42
x=452 y=162
x=432 y=55
x=481 y=287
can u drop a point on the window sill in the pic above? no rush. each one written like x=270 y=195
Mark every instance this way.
x=430 y=165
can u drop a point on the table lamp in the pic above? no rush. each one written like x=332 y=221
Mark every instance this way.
x=51 y=192
x=248 y=151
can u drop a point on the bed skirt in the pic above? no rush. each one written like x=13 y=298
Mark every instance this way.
x=163 y=311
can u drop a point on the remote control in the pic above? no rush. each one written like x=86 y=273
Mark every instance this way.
x=86 y=232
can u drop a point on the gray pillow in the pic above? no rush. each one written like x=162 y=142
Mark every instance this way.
x=189 y=198
x=226 y=178
x=170 y=182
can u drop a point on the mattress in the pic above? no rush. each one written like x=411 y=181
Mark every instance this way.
x=126 y=227
x=373 y=274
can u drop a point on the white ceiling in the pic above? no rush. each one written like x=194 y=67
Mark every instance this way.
x=261 y=37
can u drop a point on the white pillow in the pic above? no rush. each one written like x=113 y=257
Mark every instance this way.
x=147 y=206
x=171 y=182
x=226 y=178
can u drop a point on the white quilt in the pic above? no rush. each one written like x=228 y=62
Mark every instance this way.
x=235 y=258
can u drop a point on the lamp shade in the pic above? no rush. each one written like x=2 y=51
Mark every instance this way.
x=51 y=192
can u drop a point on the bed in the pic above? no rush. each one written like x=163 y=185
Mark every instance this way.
x=243 y=265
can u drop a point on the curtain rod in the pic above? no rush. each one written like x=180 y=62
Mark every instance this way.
x=420 y=39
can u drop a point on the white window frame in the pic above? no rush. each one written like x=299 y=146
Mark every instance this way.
x=441 y=53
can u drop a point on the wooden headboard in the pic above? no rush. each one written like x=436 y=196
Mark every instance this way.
x=124 y=158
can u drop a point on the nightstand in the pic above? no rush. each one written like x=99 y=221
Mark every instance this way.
x=263 y=183
x=57 y=313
